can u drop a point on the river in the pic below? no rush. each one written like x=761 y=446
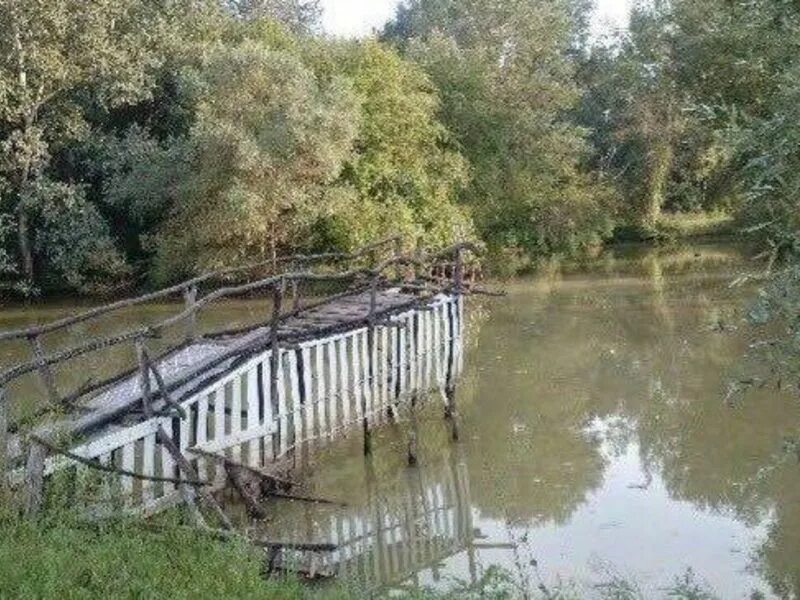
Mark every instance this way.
x=609 y=437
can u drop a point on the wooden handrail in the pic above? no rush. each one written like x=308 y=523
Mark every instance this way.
x=191 y=310
x=37 y=330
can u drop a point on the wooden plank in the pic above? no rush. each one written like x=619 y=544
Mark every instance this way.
x=394 y=359
x=253 y=420
x=333 y=392
x=344 y=380
x=34 y=479
x=366 y=383
x=43 y=368
x=402 y=369
x=358 y=375
x=413 y=356
x=236 y=405
x=428 y=326
x=283 y=411
x=219 y=415
x=148 y=467
x=308 y=407
x=128 y=464
x=321 y=394
x=201 y=427
x=296 y=406
x=419 y=328
x=437 y=347
x=448 y=345
x=167 y=469
x=269 y=423
x=385 y=369
x=374 y=388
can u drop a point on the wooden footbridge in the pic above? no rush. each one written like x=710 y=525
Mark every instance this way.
x=347 y=340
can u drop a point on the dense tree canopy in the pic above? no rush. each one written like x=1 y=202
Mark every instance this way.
x=163 y=137
x=506 y=80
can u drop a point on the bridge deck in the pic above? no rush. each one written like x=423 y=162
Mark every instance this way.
x=211 y=359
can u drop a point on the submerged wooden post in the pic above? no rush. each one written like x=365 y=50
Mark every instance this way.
x=45 y=373
x=451 y=411
x=370 y=366
x=274 y=357
x=190 y=298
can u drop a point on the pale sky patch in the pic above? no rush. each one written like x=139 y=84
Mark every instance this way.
x=359 y=18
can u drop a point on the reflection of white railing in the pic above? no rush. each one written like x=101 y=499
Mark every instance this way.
x=321 y=391
x=392 y=538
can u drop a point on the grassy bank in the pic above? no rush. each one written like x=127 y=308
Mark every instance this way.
x=57 y=557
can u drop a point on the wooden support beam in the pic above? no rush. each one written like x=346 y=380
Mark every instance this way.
x=167 y=442
x=162 y=386
x=370 y=366
x=95 y=464
x=144 y=377
x=274 y=359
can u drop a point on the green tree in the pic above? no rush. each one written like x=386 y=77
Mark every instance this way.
x=404 y=172
x=506 y=82
x=57 y=57
x=253 y=174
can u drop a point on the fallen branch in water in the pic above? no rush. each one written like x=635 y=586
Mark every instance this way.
x=227 y=461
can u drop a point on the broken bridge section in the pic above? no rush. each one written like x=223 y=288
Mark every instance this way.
x=390 y=332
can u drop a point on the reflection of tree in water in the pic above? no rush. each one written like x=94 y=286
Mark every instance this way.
x=652 y=341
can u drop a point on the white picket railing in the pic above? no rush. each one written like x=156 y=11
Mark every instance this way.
x=320 y=391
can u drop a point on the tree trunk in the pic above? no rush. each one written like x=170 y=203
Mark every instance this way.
x=23 y=236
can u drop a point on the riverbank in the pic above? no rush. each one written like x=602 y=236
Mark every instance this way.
x=682 y=226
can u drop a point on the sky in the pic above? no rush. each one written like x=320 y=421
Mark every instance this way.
x=355 y=18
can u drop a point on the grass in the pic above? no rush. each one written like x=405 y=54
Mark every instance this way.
x=60 y=556
x=56 y=558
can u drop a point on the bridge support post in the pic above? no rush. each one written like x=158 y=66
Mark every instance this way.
x=275 y=353
x=451 y=411
x=370 y=366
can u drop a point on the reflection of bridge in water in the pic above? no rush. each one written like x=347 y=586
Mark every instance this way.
x=404 y=527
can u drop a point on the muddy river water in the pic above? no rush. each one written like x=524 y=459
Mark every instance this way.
x=606 y=439
x=601 y=445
